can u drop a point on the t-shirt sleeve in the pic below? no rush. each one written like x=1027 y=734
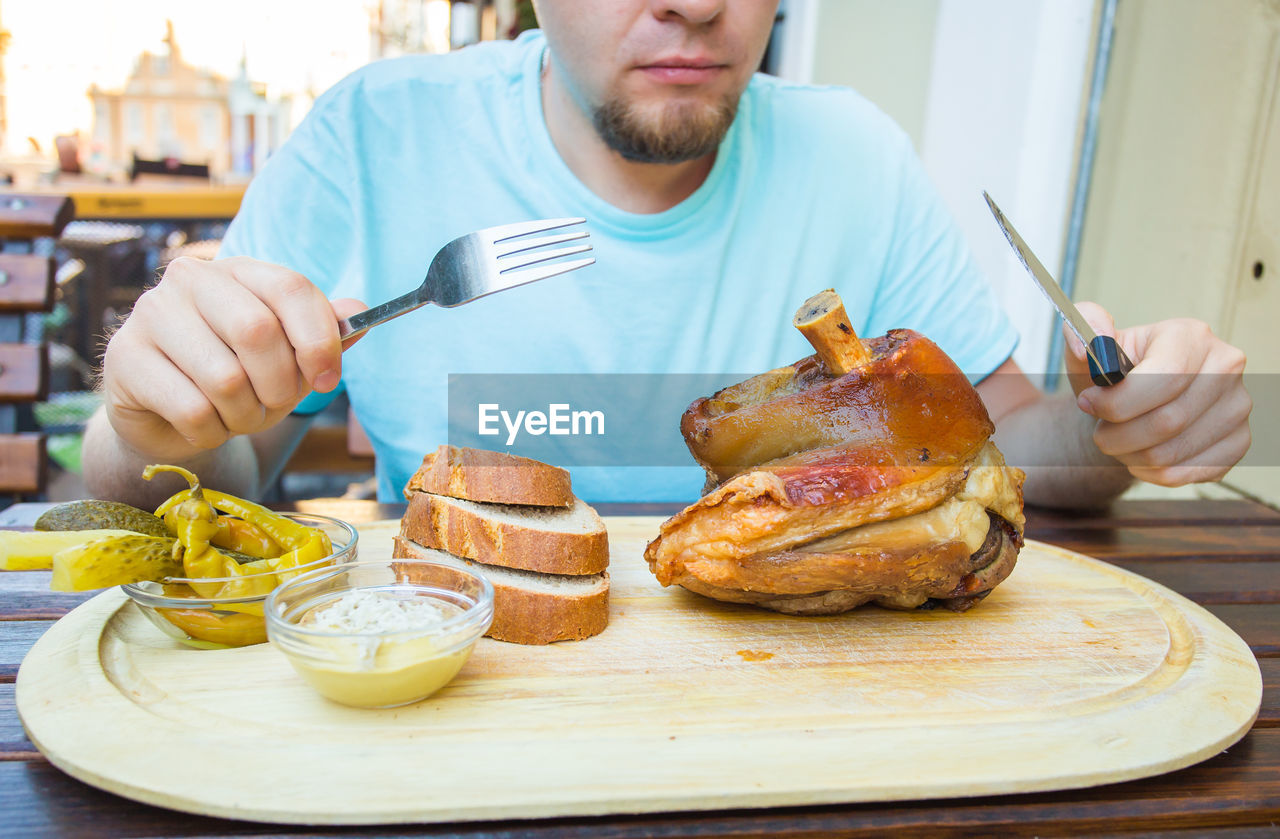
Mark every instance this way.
x=932 y=284
x=315 y=402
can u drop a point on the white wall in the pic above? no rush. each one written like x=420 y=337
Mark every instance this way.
x=1004 y=105
x=1000 y=112
x=799 y=33
x=887 y=47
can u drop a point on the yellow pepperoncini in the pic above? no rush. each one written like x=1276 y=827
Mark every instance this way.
x=294 y=545
x=281 y=547
x=302 y=545
x=235 y=535
x=220 y=628
x=195 y=523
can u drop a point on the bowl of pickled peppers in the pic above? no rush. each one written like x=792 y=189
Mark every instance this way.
x=204 y=582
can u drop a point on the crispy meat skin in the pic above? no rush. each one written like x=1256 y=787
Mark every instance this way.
x=770 y=549
x=828 y=492
x=754 y=514
x=909 y=405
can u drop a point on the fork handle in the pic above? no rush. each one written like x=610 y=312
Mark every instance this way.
x=362 y=322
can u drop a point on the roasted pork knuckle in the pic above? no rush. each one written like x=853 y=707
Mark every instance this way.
x=827 y=490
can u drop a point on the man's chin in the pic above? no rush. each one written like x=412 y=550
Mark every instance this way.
x=674 y=133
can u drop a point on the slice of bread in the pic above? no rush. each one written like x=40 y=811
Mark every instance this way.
x=551 y=540
x=529 y=607
x=492 y=477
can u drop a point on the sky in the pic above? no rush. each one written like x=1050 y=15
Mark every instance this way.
x=58 y=48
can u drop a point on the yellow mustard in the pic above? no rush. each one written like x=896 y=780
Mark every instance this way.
x=403 y=672
x=372 y=671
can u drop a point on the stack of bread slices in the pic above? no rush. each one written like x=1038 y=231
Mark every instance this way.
x=517 y=522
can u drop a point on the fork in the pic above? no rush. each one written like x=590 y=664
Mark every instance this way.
x=487 y=261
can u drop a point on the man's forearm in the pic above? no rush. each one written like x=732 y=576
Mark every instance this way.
x=113 y=468
x=1052 y=440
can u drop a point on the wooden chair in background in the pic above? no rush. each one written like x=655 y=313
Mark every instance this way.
x=28 y=224
x=333 y=451
x=114 y=256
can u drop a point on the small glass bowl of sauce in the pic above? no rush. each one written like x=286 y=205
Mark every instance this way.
x=380 y=633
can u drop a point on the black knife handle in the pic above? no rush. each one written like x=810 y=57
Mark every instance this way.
x=1115 y=364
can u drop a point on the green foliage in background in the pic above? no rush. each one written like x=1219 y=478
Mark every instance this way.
x=526 y=18
x=67 y=412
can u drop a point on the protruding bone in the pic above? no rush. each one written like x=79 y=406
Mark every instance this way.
x=822 y=320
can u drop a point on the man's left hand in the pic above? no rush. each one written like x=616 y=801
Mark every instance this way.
x=1182 y=415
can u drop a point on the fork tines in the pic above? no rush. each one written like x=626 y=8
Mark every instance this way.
x=523 y=228
x=518 y=253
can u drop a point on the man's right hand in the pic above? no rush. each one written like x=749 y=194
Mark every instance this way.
x=218 y=349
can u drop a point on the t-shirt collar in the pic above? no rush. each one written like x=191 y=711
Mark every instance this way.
x=599 y=211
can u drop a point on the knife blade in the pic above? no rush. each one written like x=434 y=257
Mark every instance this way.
x=1108 y=364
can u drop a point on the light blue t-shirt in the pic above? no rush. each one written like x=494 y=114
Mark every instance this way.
x=813 y=187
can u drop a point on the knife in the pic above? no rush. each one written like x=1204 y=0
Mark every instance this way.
x=1108 y=364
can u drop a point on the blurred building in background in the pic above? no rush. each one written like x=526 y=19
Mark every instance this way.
x=171 y=110
x=4 y=109
x=402 y=27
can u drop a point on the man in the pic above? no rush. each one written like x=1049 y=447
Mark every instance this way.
x=716 y=202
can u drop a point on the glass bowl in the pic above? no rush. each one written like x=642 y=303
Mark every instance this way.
x=357 y=661
x=222 y=622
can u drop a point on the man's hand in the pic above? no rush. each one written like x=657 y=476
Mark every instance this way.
x=1182 y=415
x=219 y=349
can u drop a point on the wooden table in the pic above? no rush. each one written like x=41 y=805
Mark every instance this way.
x=1224 y=555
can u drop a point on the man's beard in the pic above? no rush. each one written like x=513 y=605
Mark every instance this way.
x=680 y=131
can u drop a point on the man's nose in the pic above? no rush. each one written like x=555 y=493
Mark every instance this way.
x=693 y=11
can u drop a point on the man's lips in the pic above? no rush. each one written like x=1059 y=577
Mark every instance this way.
x=682 y=71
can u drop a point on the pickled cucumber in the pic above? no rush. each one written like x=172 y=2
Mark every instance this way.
x=24 y=551
x=101 y=515
x=114 y=561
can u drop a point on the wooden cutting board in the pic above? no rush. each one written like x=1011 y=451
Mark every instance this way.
x=1072 y=673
